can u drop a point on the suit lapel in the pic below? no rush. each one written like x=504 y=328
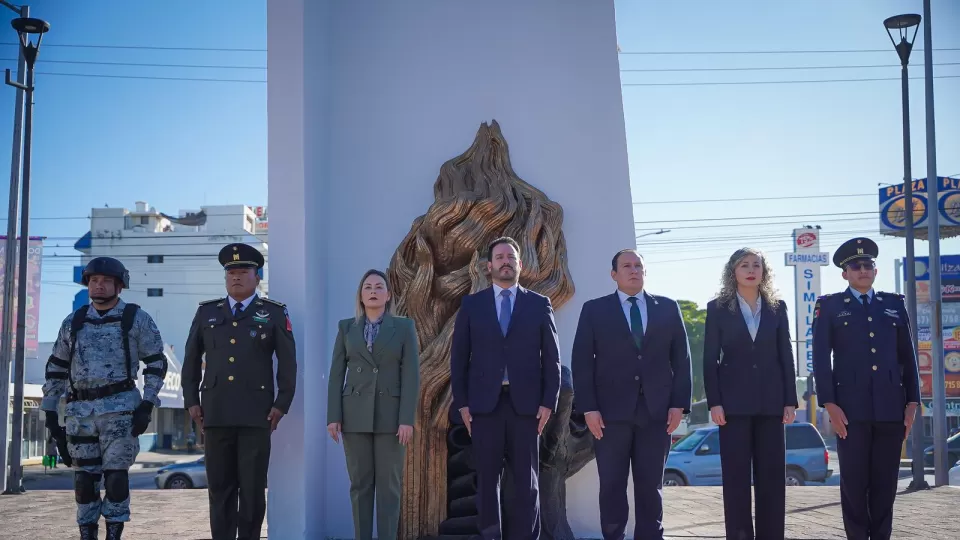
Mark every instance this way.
x=767 y=316
x=384 y=336
x=359 y=343
x=519 y=303
x=618 y=317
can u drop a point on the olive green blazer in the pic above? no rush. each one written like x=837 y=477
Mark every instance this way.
x=374 y=392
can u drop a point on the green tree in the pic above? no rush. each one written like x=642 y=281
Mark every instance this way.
x=695 y=319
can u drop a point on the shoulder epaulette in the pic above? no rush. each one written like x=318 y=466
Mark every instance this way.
x=274 y=302
x=890 y=294
x=205 y=302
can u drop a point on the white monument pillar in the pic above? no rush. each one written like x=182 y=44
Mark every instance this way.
x=366 y=99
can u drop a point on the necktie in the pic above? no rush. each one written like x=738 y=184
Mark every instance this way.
x=505 y=322
x=237 y=309
x=636 y=321
x=865 y=300
x=505 y=311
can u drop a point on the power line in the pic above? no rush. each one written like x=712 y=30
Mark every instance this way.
x=731 y=218
x=759 y=198
x=817 y=81
x=837 y=51
x=767 y=68
x=145 y=47
x=141 y=64
x=149 y=77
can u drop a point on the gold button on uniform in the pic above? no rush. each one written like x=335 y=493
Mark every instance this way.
x=874 y=368
x=230 y=378
x=871 y=334
x=869 y=318
x=232 y=340
x=231 y=359
x=873 y=351
x=234 y=323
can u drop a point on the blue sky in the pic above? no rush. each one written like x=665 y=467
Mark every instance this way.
x=182 y=143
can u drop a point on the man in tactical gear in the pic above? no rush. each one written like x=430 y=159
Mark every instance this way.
x=95 y=362
x=230 y=348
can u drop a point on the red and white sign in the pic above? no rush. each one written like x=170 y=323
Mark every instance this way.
x=806 y=240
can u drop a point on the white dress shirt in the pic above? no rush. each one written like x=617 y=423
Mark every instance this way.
x=499 y=299
x=751 y=314
x=245 y=304
x=641 y=305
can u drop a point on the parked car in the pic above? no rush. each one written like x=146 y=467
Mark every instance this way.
x=953 y=477
x=695 y=459
x=953 y=451
x=187 y=475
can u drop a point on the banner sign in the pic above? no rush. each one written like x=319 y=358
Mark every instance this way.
x=950 y=319
x=806 y=260
x=893 y=215
x=34 y=262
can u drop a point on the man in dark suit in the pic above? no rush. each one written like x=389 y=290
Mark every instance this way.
x=505 y=377
x=632 y=378
x=871 y=389
x=238 y=410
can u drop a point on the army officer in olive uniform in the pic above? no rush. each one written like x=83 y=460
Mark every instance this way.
x=372 y=402
x=238 y=405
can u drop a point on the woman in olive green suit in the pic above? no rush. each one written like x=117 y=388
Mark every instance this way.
x=372 y=401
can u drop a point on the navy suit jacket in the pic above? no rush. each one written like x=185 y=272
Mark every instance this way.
x=874 y=370
x=530 y=352
x=609 y=369
x=746 y=376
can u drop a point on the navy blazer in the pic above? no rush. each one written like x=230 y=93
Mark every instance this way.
x=609 y=370
x=874 y=370
x=746 y=376
x=530 y=352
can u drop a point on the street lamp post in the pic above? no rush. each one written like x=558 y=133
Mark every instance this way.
x=25 y=27
x=661 y=231
x=903 y=24
x=13 y=212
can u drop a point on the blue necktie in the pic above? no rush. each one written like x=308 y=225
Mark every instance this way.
x=505 y=321
x=237 y=309
x=505 y=311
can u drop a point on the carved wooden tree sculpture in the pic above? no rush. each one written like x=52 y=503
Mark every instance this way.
x=478 y=197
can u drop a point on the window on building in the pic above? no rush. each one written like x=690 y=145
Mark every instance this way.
x=144 y=220
x=155 y=259
x=154 y=292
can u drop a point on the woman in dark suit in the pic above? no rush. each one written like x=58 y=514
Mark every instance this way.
x=751 y=390
x=372 y=400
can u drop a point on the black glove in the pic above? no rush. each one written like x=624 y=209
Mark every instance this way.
x=141 y=418
x=60 y=436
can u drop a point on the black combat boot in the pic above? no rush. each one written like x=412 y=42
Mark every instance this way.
x=114 y=530
x=89 y=531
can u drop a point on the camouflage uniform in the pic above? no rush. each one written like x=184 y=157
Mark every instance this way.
x=99 y=431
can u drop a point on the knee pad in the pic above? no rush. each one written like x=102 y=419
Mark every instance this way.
x=85 y=487
x=117 y=484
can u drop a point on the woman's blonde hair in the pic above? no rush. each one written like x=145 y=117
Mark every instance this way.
x=360 y=310
x=728 y=282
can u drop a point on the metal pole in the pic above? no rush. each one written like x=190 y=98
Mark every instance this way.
x=15 y=473
x=909 y=270
x=6 y=334
x=939 y=378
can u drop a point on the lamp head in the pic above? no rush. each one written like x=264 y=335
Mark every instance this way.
x=902 y=24
x=25 y=27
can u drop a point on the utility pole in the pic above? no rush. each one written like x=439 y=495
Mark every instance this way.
x=939 y=412
x=13 y=213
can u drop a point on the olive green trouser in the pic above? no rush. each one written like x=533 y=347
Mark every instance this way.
x=374 y=463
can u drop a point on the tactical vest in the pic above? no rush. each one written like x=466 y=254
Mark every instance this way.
x=126 y=324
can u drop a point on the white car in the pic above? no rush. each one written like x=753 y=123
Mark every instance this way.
x=953 y=477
